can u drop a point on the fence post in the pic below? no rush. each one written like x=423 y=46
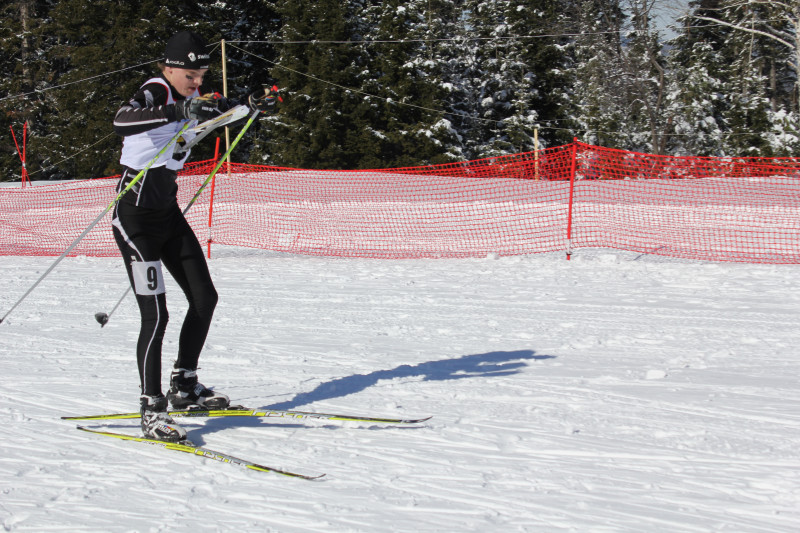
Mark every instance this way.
x=211 y=200
x=571 y=196
x=22 y=153
x=536 y=152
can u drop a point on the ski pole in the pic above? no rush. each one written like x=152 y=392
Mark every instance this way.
x=97 y=220
x=102 y=318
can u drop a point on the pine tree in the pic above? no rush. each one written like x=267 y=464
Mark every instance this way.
x=541 y=71
x=491 y=87
x=697 y=103
x=88 y=62
x=24 y=70
x=760 y=88
x=696 y=97
x=621 y=76
x=317 y=68
x=400 y=121
x=600 y=87
x=645 y=68
x=520 y=75
x=373 y=83
x=89 y=45
x=446 y=45
x=250 y=29
x=747 y=113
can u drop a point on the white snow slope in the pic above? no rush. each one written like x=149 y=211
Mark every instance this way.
x=611 y=393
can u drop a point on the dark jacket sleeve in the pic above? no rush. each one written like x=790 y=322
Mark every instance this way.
x=148 y=109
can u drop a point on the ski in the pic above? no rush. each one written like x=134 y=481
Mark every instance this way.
x=231 y=115
x=267 y=413
x=202 y=130
x=193 y=449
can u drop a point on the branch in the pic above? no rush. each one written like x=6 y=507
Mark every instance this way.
x=751 y=30
x=773 y=3
x=743 y=3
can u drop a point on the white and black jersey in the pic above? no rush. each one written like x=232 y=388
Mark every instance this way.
x=148 y=122
x=149 y=108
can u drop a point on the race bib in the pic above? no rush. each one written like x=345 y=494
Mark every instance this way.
x=148 y=279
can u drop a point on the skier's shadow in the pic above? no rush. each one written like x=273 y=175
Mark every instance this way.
x=492 y=364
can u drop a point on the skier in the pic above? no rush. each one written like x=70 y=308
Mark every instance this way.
x=151 y=231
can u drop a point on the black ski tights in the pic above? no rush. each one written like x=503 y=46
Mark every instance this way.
x=147 y=239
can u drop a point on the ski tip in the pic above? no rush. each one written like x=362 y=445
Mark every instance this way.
x=404 y=420
x=310 y=477
x=81 y=418
x=88 y=429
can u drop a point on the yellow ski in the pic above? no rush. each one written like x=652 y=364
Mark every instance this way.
x=193 y=449
x=267 y=413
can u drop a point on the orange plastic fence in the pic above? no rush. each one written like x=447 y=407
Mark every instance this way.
x=560 y=199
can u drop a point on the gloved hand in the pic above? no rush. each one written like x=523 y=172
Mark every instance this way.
x=201 y=108
x=264 y=101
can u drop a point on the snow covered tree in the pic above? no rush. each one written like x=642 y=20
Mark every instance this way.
x=363 y=88
x=518 y=75
x=600 y=83
x=490 y=85
x=91 y=43
x=23 y=71
x=621 y=76
x=318 y=68
x=761 y=86
x=83 y=62
x=775 y=22
x=647 y=80
x=696 y=100
x=250 y=29
x=372 y=83
x=400 y=121
x=541 y=68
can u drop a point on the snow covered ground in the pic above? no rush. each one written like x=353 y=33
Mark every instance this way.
x=611 y=393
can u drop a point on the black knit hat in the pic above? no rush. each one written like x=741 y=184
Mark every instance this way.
x=187 y=50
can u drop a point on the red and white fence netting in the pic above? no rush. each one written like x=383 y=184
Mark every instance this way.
x=560 y=199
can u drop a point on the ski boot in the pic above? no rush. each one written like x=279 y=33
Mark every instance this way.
x=156 y=422
x=185 y=392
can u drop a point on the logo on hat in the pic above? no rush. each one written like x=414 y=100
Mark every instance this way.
x=187 y=50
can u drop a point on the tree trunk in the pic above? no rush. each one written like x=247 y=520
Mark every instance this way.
x=28 y=83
